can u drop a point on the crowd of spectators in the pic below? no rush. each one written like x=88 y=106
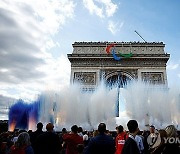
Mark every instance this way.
x=100 y=141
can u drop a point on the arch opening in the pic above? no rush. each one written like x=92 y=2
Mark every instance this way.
x=119 y=80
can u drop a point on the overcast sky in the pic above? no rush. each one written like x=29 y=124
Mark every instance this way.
x=36 y=35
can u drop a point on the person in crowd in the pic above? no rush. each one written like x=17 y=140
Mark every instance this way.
x=102 y=143
x=171 y=147
x=5 y=142
x=140 y=139
x=48 y=142
x=85 y=138
x=35 y=135
x=63 y=132
x=108 y=133
x=95 y=133
x=22 y=145
x=80 y=131
x=130 y=146
x=145 y=135
x=120 y=139
x=152 y=138
x=15 y=137
x=160 y=142
x=73 y=141
x=152 y=129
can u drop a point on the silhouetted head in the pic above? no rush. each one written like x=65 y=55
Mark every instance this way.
x=119 y=129
x=102 y=128
x=64 y=130
x=74 y=129
x=39 y=126
x=80 y=129
x=29 y=132
x=85 y=132
x=49 y=127
x=133 y=126
x=152 y=129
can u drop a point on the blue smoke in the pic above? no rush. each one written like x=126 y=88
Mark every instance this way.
x=21 y=111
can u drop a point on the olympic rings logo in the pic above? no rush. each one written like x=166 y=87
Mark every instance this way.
x=108 y=50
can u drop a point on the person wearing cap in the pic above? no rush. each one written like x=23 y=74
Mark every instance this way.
x=102 y=143
x=153 y=137
x=130 y=146
x=48 y=142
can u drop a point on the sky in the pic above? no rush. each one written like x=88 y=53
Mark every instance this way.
x=36 y=35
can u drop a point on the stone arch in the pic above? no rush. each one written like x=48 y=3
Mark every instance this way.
x=127 y=74
x=113 y=78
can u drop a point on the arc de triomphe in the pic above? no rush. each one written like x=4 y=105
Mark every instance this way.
x=90 y=62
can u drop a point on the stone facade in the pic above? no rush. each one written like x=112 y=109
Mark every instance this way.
x=90 y=63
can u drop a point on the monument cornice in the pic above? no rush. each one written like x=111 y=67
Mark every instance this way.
x=103 y=44
x=126 y=62
x=74 y=57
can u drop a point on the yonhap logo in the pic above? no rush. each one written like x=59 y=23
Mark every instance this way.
x=156 y=139
x=172 y=140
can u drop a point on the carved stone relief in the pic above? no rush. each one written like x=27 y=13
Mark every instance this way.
x=85 y=78
x=153 y=77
